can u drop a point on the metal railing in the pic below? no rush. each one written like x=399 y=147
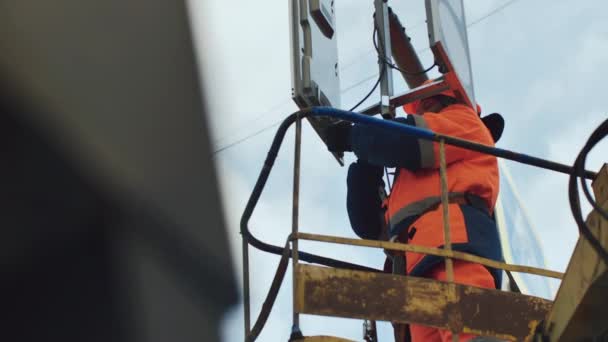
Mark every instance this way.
x=447 y=253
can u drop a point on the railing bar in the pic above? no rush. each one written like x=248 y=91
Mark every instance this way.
x=430 y=251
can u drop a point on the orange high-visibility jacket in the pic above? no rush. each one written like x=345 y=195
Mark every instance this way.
x=413 y=206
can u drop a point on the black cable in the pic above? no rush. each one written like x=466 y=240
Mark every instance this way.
x=512 y=283
x=597 y=135
x=392 y=65
x=370 y=92
x=573 y=194
x=377 y=82
x=271 y=296
x=257 y=191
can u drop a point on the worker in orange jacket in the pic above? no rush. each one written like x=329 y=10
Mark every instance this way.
x=412 y=213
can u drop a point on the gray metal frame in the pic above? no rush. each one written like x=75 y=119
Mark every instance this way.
x=384 y=45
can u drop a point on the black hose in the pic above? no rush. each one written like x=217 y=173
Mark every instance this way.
x=370 y=92
x=512 y=283
x=257 y=191
x=271 y=296
x=597 y=135
x=575 y=205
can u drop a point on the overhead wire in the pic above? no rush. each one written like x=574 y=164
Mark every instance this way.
x=256 y=133
x=246 y=123
x=492 y=12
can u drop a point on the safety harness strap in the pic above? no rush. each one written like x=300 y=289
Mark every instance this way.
x=418 y=208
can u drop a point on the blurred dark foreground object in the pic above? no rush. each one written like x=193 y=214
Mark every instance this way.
x=111 y=225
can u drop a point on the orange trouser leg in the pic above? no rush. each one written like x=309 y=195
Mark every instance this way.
x=464 y=273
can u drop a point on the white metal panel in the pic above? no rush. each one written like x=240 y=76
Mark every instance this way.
x=447 y=24
x=315 y=71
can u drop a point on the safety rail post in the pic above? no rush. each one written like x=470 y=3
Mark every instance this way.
x=295 y=330
x=447 y=236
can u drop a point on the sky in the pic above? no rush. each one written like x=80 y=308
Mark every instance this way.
x=540 y=63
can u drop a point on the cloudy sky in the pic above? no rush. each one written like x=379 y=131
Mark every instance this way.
x=541 y=63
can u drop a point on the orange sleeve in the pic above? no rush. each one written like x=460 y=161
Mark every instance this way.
x=458 y=121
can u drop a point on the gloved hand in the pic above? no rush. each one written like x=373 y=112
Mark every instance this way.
x=337 y=137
